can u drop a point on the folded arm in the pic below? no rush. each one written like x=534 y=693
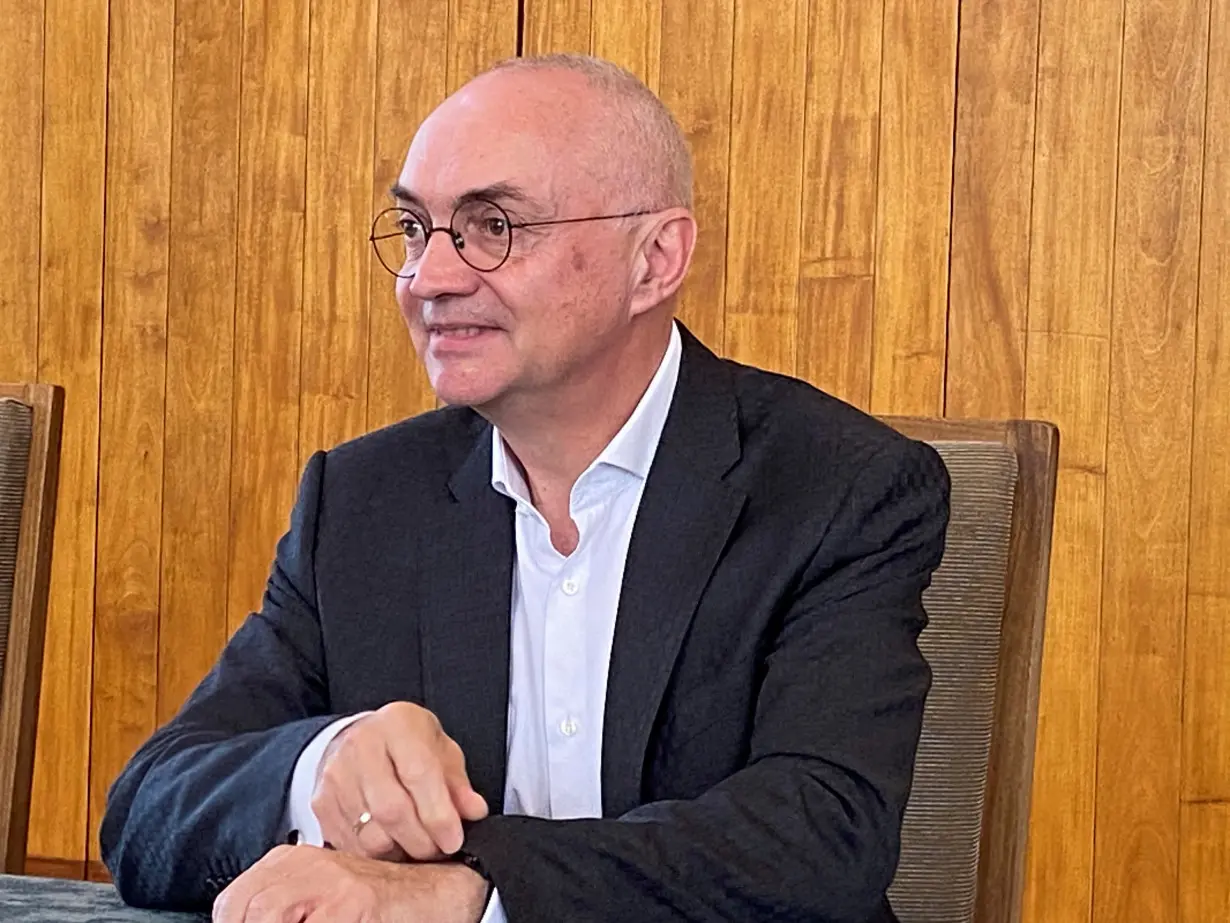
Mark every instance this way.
x=809 y=829
x=204 y=798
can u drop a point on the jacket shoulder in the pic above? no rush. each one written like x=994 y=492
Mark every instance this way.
x=800 y=424
x=428 y=446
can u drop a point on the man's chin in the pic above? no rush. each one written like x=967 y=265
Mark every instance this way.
x=466 y=395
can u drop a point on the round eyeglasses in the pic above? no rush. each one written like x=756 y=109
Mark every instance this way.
x=480 y=230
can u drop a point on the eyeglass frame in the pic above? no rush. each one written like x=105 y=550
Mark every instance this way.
x=453 y=234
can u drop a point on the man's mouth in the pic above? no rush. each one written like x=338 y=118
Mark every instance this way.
x=457 y=335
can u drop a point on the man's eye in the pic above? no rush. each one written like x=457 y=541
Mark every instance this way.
x=410 y=226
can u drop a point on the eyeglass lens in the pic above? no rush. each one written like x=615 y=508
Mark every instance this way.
x=480 y=230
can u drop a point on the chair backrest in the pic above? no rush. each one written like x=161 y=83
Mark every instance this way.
x=30 y=422
x=967 y=822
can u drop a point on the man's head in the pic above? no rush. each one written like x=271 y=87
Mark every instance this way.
x=546 y=139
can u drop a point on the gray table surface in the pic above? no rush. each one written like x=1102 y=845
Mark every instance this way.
x=25 y=899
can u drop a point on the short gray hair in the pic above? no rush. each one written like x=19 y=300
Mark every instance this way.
x=644 y=124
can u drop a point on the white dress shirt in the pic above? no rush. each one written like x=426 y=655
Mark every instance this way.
x=563 y=623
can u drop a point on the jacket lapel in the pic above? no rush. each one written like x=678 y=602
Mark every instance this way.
x=464 y=621
x=685 y=517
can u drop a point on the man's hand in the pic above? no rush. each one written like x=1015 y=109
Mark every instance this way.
x=303 y=884
x=398 y=765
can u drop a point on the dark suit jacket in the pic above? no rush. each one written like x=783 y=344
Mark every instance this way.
x=765 y=694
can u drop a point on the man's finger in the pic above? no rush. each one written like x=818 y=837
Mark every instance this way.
x=394 y=815
x=286 y=901
x=338 y=804
x=235 y=903
x=422 y=776
x=470 y=804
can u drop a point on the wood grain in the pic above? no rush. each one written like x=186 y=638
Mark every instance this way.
x=336 y=274
x=133 y=392
x=269 y=291
x=841 y=149
x=44 y=867
x=913 y=196
x=992 y=192
x=481 y=32
x=629 y=32
x=1066 y=383
x=1206 y=711
x=1067 y=380
x=1149 y=443
x=835 y=326
x=200 y=346
x=397 y=385
x=21 y=142
x=555 y=25
x=1071 y=248
x=70 y=337
x=1206 y=700
x=1204 y=886
x=697 y=38
x=766 y=166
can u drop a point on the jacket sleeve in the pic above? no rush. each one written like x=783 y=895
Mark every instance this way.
x=809 y=829
x=205 y=797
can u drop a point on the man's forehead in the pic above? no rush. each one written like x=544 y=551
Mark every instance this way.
x=520 y=171
x=485 y=136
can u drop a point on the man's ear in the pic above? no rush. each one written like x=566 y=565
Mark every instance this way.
x=663 y=258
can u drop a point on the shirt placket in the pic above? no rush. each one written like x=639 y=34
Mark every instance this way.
x=568 y=729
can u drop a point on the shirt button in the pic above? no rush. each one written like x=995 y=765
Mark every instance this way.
x=570 y=587
x=568 y=727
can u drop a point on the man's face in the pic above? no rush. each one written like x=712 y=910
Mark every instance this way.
x=561 y=298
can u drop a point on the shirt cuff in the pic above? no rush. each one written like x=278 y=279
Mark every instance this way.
x=495 y=910
x=300 y=818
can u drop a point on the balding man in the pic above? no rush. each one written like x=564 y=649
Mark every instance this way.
x=625 y=632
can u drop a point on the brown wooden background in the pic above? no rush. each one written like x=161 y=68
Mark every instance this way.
x=998 y=208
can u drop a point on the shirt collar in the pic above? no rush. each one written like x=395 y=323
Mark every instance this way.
x=633 y=447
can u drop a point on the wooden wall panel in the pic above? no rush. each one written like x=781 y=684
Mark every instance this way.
x=1204 y=887
x=269 y=291
x=914 y=194
x=992 y=197
x=69 y=354
x=836 y=316
x=1067 y=375
x=1206 y=712
x=336 y=274
x=840 y=166
x=629 y=32
x=21 y=142
x=1149 y=443
x=481 y=32
x=766 y=166
x=133 y=391
x=556 y=25
x=697 y=39
x=397 y=386
x=200 y=310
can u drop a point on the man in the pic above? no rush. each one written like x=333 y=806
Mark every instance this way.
x=626 y=632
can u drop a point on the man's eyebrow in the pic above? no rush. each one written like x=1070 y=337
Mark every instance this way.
x=402 y=195
x=495 y=192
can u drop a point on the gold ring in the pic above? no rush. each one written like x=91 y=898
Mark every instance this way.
x=364 y=819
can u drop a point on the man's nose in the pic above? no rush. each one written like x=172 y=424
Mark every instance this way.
x=441 y=271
